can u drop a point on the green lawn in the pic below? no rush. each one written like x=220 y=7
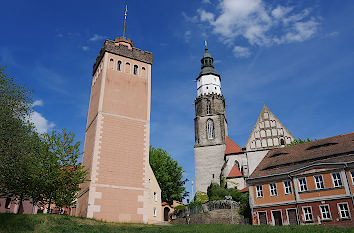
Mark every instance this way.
x=56 y=223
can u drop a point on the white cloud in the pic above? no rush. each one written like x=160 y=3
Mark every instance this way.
x=193 y=19
x=37 y=103
x=332 y=34
x=85 y=48
x=281 y=11
x=240 y=51
x=259 y=23
x=187 y=36
x=42 y=125
x=206 y=16
x=206 y=1
x=96 y=37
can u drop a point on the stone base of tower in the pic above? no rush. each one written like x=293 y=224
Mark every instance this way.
x=208 y=163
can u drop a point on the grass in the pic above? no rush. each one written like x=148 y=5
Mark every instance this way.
x=57 y=223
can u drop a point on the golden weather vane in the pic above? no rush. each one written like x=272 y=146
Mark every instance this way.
x=125 y=18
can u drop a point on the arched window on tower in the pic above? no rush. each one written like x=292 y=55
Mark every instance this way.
x=119 y=65
x=127 y=67
x=210 y=128
x=208 y=107
x=135 y=69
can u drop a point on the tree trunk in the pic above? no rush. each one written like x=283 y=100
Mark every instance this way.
x=50 y=202
x=20 y=206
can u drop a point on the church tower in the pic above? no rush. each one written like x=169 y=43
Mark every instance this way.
x=122 y=186
x=210 y=125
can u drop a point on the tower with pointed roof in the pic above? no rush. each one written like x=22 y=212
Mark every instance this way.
x=210 y=125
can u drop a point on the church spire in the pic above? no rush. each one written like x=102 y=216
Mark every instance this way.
x=207 y=63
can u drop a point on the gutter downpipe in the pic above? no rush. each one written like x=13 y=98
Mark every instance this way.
x=296 y=201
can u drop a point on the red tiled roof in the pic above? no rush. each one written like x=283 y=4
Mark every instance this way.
x=164 y=203
x=329 y=150
x=235 y=172
x=231 y=147
x=245 y=189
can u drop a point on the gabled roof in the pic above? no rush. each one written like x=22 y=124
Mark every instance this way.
x=231 y=147
x=266 y=116
x=337 y=149
x=235 y=172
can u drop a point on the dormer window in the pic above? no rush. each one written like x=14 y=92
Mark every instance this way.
x=135 y=69
x=119 y=65
x=210 y=128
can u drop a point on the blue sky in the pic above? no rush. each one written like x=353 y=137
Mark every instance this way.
x=296 y=57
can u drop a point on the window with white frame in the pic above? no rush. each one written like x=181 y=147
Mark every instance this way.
x=259 y=191
x=337 y=181
x=302 y=184
x=343 y=210
x=325 y=212
x=155 y=212
x=208 y=107
x=352 y=174
x=319 y=182
x=155 y=196
x=308 y=217
x=287 y=187
x=273 y=189
x=210 y=126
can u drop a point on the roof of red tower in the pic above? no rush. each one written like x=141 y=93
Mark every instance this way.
x=231 y=147
x=235 y=172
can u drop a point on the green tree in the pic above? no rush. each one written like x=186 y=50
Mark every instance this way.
x=18 y=140
x=168 y=174
x=60 y=172
x=299 y=141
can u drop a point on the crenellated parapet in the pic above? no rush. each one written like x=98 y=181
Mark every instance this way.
x=123 y=47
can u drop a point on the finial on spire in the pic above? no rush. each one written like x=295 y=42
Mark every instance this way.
x=206 y=45
x=125 y=18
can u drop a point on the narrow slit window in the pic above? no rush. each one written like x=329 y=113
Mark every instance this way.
x=135 y=69
x=119 y=65
x=210 y=129
x=208 y=107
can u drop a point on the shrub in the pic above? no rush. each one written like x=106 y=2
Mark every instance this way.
x=201 y=196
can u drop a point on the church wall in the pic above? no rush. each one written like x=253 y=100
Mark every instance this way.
x=254 y=158
x=208 y=161
x=202 y=134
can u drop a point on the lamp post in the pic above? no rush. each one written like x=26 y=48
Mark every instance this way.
x=232 y=214
x=192 y=191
